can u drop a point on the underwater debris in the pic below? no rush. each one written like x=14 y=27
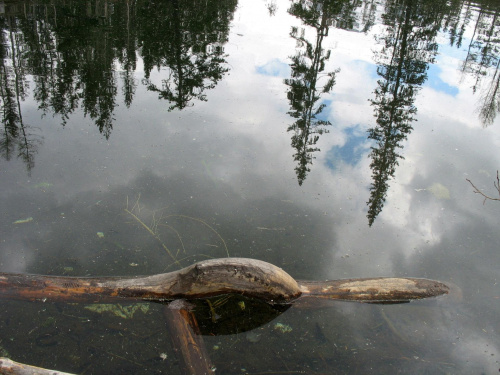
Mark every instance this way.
x=125 y=312
x=253 y=336
x=283 y=328
x=3 y=351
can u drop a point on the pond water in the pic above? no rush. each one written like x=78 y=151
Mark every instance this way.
x=333 y=139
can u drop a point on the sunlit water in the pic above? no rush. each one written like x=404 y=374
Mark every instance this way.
x=332 y=139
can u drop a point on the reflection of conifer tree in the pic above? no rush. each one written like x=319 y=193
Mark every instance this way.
x=13 y=90
x=272 y=7
x=482 y=61
x=308 y=65
x=490 y=98
x=8 y=104
x=369 y=11
x=72 y=49
x=71 y=56
x=408 y=47
x=96 y=68
x=126 y=46
x=51 y=90
x=184 y=40
x=10 y=117
x=456 y=23
x=483 y=50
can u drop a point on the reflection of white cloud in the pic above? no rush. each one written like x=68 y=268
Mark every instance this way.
x=435 y=82
x=14 y=258
x=239 y=137
x=449 y=70
x=396 y=210
x=479 y=352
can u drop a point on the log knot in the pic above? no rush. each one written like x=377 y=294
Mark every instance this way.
x=250 y=277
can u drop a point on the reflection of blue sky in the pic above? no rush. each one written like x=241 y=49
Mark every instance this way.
x=325 y=113
x=371 y=69
x=274 y=68
x=435 y=82
x=351 y=151
x=242 y=138
x=446 y=49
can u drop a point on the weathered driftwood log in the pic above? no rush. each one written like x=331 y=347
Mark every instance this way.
x=9 y=367
x=250 y=277
x=186 y=339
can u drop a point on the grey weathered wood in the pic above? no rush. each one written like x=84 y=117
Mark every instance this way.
x=250 y=277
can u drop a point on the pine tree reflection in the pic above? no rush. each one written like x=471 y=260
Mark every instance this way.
x=482 y=60
x=73 y=50
x=408 y=46
x=308 y=65
x=13 y=89
x=186 y=41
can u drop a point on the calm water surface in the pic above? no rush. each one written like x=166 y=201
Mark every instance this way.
x=330 y=138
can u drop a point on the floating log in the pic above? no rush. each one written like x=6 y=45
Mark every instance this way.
x=249 y=277
x=9 y=367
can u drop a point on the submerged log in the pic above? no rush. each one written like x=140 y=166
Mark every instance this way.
x=186 y=339
x=249 y=277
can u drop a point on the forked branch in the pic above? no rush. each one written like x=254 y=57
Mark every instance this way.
x=486 y=197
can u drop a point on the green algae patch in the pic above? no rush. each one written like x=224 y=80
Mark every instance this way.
x=23 y=221
x=125 y=312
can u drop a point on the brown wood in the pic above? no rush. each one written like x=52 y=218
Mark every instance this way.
x=186 y=339
x=250 y=277
x=9 y=367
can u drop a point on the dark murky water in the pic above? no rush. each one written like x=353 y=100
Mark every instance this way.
x=331 y=138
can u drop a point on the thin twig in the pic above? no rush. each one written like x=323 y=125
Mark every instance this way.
x=155 y=235
x=208 y=226
x=478 y=191
x=177 y=233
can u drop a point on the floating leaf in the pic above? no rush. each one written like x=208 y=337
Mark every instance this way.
x=43 y=185
x=100 y=234
x=439 y=191
x=23 y=221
